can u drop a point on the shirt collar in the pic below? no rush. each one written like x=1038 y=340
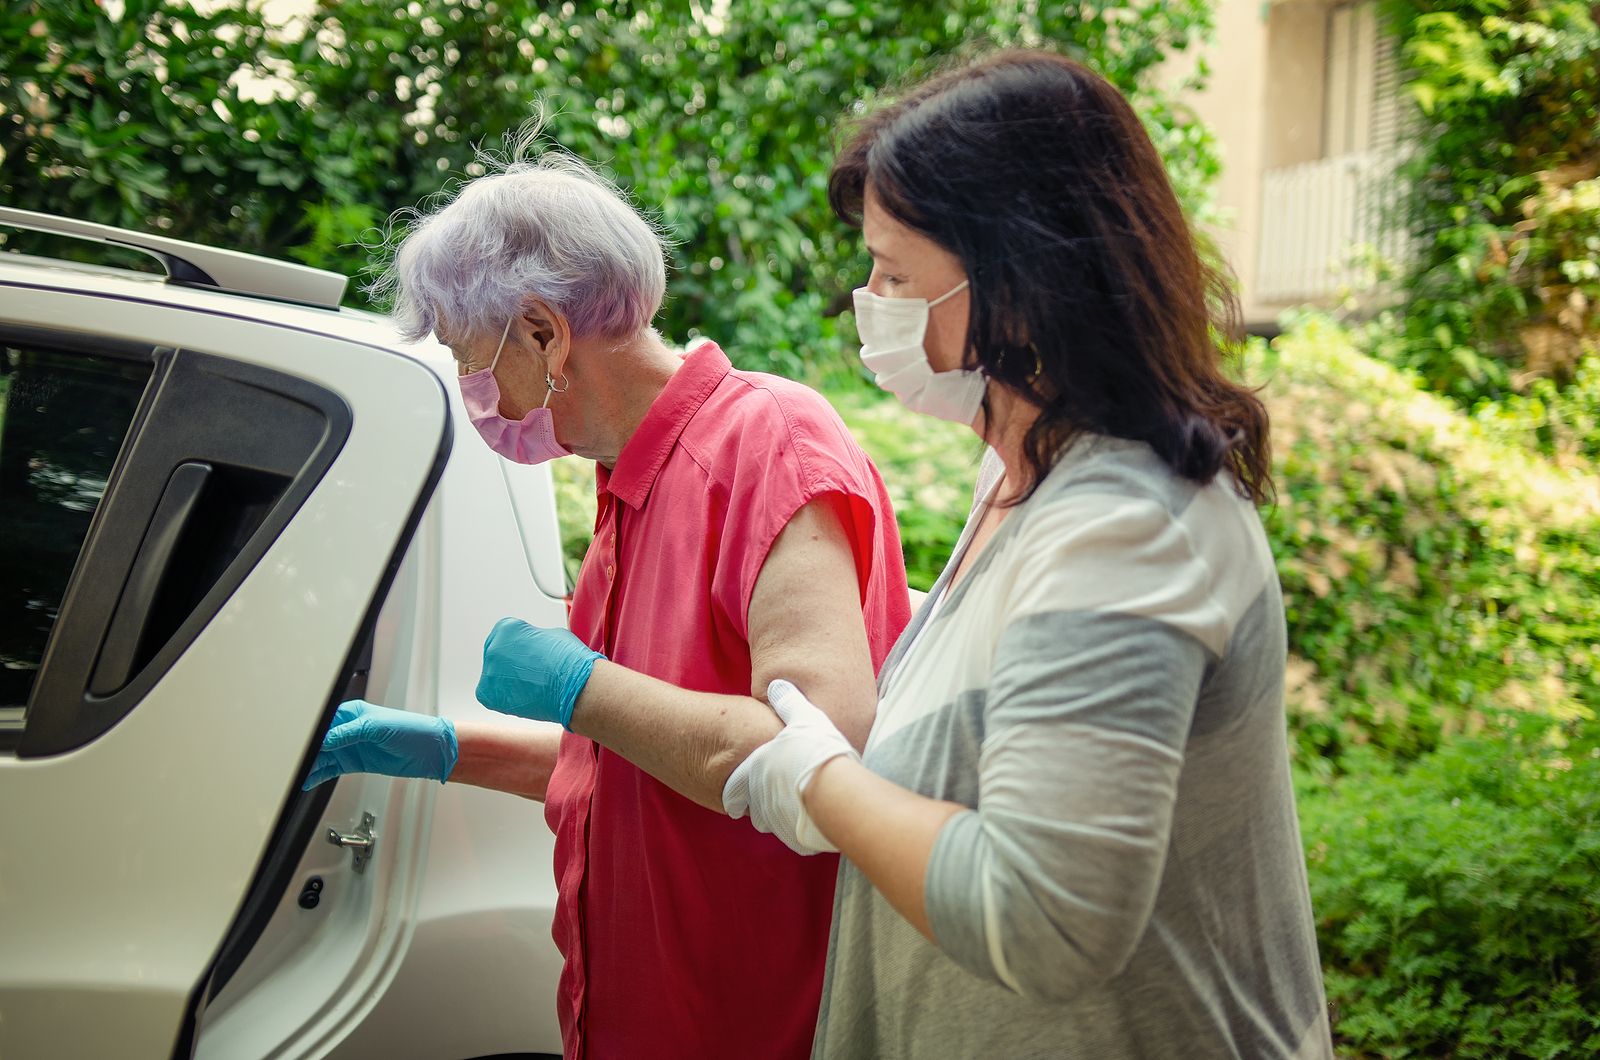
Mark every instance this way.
x=646 y=452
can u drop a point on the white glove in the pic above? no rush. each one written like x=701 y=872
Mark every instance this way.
x=769 y=783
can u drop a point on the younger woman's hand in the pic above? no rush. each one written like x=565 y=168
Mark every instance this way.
x=769 y=784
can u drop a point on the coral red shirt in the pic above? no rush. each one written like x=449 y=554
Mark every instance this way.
x=685 y=933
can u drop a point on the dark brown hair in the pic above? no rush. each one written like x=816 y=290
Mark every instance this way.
x=1089 y=297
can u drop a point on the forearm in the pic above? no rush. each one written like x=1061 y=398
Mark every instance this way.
x=690 y=741
x=510 y=757
x=886 y=830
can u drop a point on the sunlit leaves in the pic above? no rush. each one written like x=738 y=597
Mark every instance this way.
x=722 y=125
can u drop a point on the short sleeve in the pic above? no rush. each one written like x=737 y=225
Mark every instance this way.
x=793 y=449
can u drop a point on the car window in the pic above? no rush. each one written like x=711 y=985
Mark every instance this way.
x=63 y=417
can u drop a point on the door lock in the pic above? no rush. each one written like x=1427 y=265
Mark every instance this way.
x=360 y=842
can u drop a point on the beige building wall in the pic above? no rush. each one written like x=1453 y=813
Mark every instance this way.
x=1295 y=106
x=1305 y=105
x=1266 y=105
x=1232 y=106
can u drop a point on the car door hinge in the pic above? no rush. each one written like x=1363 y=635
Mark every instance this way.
x=360 y=842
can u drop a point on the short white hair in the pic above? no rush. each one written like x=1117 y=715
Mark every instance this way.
x=550 y=227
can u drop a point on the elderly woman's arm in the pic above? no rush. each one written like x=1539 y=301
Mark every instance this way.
x=805 y=623
x=514 y=757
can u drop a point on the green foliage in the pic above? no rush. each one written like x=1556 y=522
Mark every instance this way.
x=1504 y=202
x=134 y=121
x=1457 y=900
x=298 y=139
x=1433 y=571
x=929 y=467
x=575 y=509
x=1561 y=422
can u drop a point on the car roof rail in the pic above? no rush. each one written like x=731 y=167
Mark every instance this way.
x=193 y=265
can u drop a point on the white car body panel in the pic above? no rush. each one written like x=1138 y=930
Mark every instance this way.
x=487 y=859
x=129 y=845
x=442 y=946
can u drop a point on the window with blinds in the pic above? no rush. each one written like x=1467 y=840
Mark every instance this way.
x=1364 y=95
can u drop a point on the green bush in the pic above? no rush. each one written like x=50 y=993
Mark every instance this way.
x=575 y=509
x=1504 y=200
x=1433 y=571
x=1458 y=900
x=1561 y=422
x=929 y=467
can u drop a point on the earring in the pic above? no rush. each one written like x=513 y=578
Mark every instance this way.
x=551 y=384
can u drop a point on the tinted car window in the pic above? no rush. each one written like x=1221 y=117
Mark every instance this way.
x=63 y=417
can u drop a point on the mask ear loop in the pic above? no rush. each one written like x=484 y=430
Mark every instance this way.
x=502 y=345
x=951 y=293
x=551 y=388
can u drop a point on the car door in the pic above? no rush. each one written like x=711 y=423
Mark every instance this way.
x=440 y=945
x=199 y=513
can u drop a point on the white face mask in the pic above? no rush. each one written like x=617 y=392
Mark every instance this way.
x=891 y=331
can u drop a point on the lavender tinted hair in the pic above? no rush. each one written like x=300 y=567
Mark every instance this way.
x=551 y=228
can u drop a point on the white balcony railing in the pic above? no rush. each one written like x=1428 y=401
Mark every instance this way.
x=1322 y=222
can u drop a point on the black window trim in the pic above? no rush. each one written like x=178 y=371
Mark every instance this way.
x=14 y=720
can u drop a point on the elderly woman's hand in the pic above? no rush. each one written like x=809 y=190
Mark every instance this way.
x=534 y=673
x=366 y=738
x=769 y=784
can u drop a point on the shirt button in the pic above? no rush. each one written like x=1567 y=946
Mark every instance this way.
x=611 y=571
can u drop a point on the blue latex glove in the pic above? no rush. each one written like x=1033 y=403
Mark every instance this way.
x=534 y=673
x=366 y=738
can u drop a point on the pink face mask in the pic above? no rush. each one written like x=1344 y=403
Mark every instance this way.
x=531 y=440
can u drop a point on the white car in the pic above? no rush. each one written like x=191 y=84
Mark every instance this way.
x=226 y=505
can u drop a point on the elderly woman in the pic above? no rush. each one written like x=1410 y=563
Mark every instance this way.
x=1072 y=833
x=741 y=535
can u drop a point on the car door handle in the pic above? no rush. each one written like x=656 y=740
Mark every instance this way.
x=360 y=842
x=129 y=630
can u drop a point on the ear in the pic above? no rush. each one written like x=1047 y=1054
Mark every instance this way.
x=549 y=333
